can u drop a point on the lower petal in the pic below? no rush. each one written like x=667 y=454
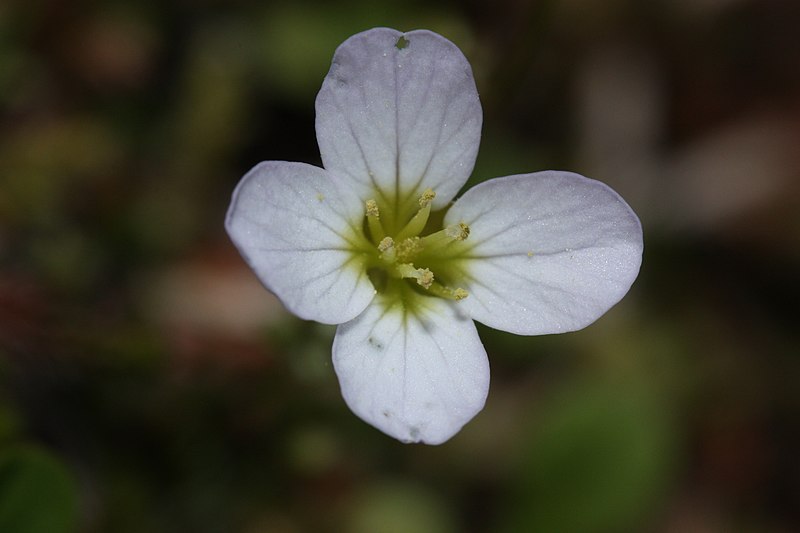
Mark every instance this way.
x=418 y=375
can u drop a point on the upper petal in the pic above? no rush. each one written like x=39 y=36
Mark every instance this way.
x=552 y=251
x=295 y=229
x=417 y=376
x=400 y=118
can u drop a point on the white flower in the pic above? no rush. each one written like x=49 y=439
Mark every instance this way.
x=362 y=243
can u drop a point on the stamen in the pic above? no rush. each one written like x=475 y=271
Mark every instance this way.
x=418 y=221
x=447 y=292
x=455 y=232
x=423 y=276
x=374 y=220
x=387 y=250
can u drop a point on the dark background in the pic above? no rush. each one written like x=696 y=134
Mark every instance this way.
x=148 y=383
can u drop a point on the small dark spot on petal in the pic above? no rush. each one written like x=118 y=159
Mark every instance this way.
x=401 y=43
x=375 y=343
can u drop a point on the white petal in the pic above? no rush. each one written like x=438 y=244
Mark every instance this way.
x=400 y=119
x=552 y=252
x=292 y=226
x=415 y=376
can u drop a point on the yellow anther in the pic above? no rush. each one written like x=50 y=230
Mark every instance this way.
x=385 y=244
x=387 y=250
x=458 y=232
x=460 y=294
x=427 y=197
x=374 y=220
x=426 y=278
x=372 y=209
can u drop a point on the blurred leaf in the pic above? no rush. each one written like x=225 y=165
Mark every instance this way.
x=9 y=423
x=395 y=507
x=301 y=37
x=37 y=494
x=207 y=122
x=47 y=165
x=313 y=449
x=505 y=155
x=597 y=462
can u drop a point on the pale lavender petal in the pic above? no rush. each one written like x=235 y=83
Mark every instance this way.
x=400 y=112
x=552 y=251
x=295 y=228
x=416 y=374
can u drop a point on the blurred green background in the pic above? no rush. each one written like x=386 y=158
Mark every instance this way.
x=149 y=384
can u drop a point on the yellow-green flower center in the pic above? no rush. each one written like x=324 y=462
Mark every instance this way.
x=407 y=258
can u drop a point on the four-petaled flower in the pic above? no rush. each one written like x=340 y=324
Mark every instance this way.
x=374 y=243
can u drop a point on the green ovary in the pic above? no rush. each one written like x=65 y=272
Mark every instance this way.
x=404 y=257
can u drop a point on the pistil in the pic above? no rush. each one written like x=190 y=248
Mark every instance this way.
x=408 y=248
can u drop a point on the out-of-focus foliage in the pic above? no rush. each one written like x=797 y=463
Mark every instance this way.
x=37 y=494
x=148 y=383
x=597 y=460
